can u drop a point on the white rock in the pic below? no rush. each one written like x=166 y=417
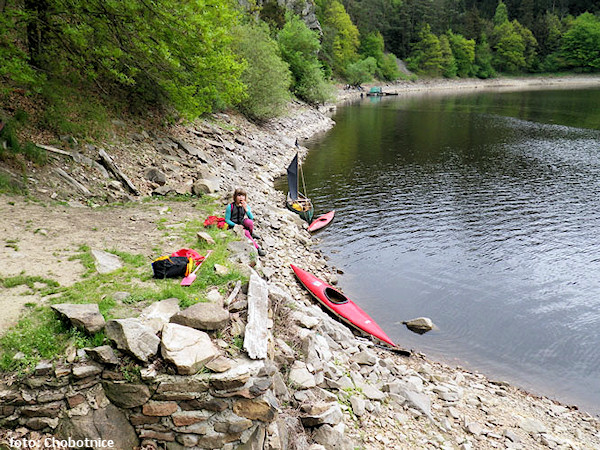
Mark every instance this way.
x=158 y=314
x=189 y=349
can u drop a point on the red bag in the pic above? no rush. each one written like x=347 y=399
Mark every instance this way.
x=189 y=253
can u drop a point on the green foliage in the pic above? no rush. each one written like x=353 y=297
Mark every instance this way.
x=15 y=68
x=501 y=15
x=464 y=53
x=361 y=71
x=388 y=68
x=372 y=45
x=340 y=36
x=482 y=66
x=509 y=49
x=581 y=43
x=266 y=76
x=426 y=56
x=173 y=53
x=299 y=48
x=273 y=14
x=448 y=62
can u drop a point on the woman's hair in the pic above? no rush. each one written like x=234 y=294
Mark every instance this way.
x=239 y=191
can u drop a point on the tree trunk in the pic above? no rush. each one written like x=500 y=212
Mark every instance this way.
x=36 y=27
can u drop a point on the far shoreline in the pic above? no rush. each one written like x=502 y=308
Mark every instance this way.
x=466 y=84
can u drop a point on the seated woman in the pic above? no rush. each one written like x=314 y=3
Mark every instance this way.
x=238 y=213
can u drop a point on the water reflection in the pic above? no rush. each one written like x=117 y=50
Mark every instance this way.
x=481 y=212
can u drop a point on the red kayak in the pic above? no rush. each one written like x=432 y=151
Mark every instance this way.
x=321 y=221
x=341 y=305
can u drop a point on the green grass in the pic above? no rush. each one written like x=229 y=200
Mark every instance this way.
x=41 y=334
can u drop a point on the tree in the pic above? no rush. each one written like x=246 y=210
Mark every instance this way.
x=361 y=71
x=501 y=15
x=299 y=48
x=266 y=77
x=448 y=62
x=340 y=36
x=509 y=53
x=530 y=43
x=464 y=53
x=171 y=52
x=372 y=45
x=581 y=43
x=482 y=66
x=426 y=55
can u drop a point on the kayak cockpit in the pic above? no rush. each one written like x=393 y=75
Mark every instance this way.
x=335 y=296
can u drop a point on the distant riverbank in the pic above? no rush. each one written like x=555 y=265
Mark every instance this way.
x=440 y=84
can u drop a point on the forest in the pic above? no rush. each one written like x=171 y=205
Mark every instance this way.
x=83 y=59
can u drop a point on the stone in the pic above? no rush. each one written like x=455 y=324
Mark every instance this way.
x=103 y=354
x=220 y=364
x=300 y=377
x=159 y=409
x=86 y=370
x=222 y=271
x=202 y=316
x=106 y=262
x=331 y=415
x=204 y=186
x=158 y=314
x=156 y=176
x=83 y=316
x=364 y=358
x=420 y=325
x=126 y=395
x=107 y=423
x=256 y=409
x=205 y=237
x=188 y=349
x=186 y=418
x=332 y=439
x=134 y=337
x=256 y=334
x=532 y=426
x=358 y=405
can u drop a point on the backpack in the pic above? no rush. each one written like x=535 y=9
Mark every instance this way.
x=172 y=266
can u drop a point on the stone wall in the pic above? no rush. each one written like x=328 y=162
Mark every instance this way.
x=87 y=399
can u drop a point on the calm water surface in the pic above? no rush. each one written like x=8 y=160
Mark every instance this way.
x=482 y=212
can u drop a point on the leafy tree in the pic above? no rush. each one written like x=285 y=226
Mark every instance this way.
x=372 y=45
x=388 y=67
x=426 y=56
x=361 y=71
x=340 y=36
x=581 y=43
x=266 y=76
x=448 y=62
x=510 y=48
x=273 y=14
x=175 y=53
x=501 y=15
x=482 y=66
x=464 y=53
x=299 y=48
x=530 y=43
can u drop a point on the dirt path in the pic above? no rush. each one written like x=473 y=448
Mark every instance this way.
x=40 y=240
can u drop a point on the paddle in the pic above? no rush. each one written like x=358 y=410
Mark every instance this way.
x=192 y=276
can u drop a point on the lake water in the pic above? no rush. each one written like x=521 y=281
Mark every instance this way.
x=478 y=210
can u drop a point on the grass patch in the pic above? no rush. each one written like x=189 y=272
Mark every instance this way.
x=29 y=281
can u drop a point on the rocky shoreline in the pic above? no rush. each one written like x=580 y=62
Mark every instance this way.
x=333 y=390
